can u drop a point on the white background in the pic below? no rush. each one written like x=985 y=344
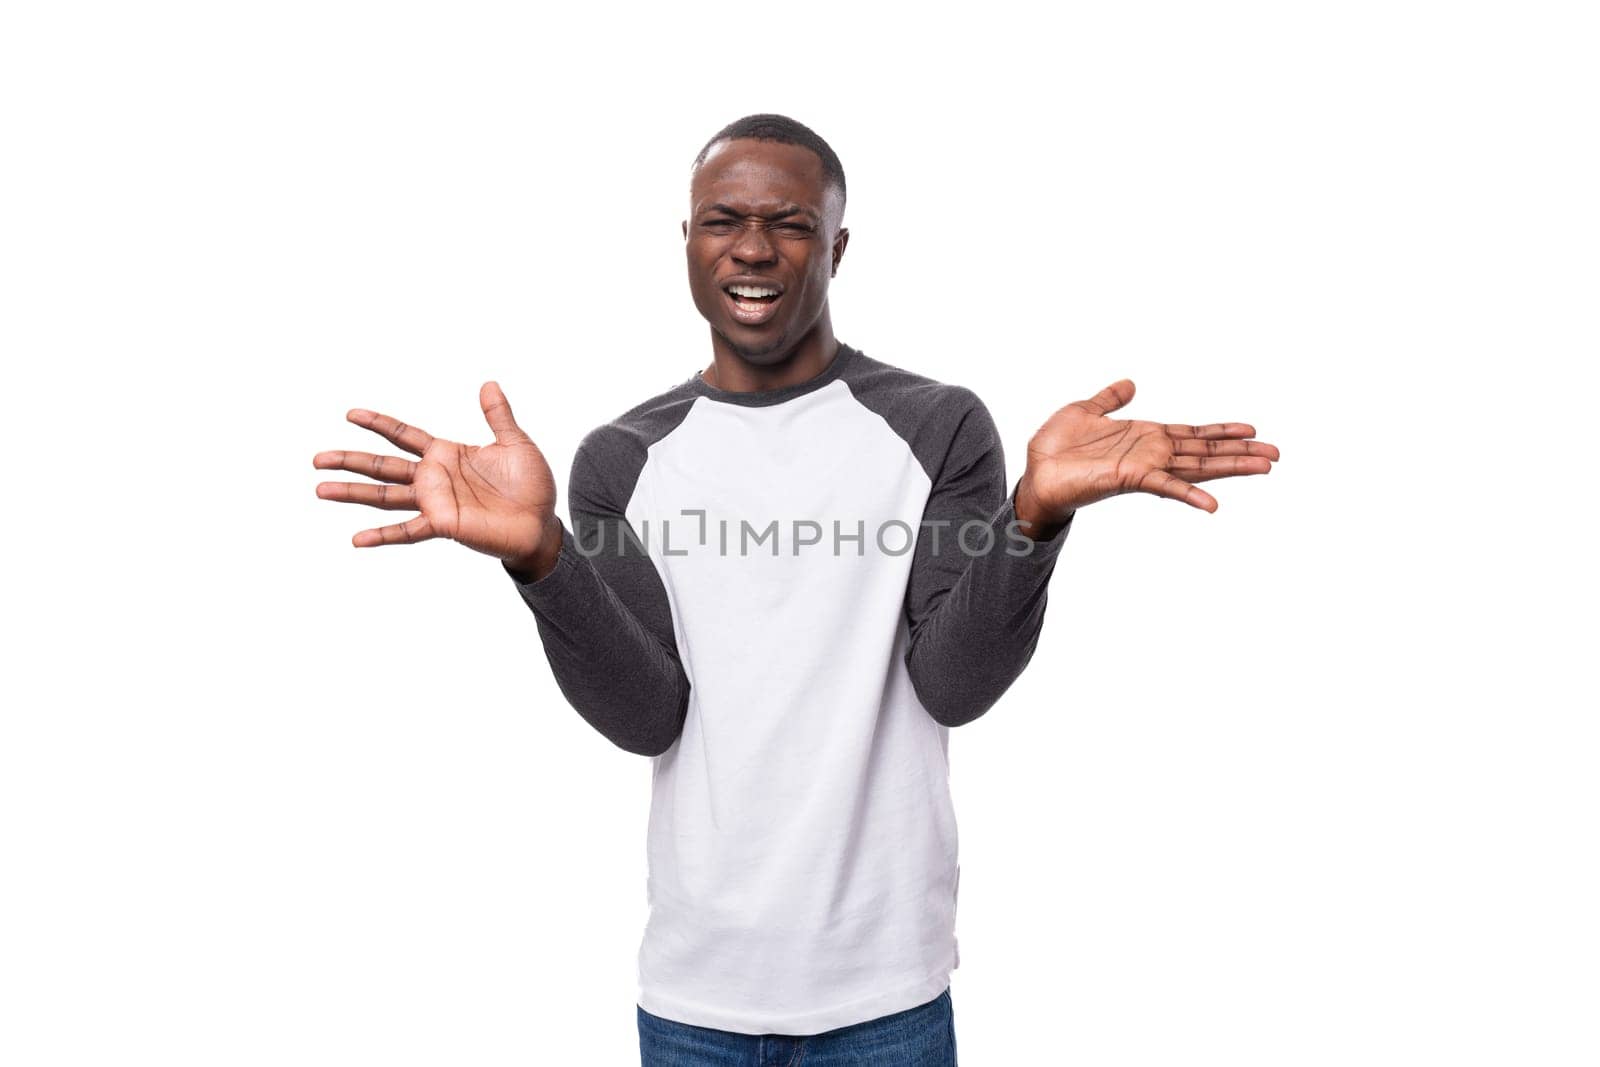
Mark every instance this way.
x=1307 y=781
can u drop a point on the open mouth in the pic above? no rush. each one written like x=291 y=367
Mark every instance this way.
x=752 y=304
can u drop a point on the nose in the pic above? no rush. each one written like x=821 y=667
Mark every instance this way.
x=754 y=247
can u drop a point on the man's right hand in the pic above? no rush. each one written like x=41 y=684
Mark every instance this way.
x=498 y=499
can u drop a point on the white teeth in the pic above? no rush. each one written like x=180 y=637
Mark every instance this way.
x=751 y=290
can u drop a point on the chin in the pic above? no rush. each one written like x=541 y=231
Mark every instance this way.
x=763 y=353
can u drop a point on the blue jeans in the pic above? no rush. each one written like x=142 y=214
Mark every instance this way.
x=924 y=1036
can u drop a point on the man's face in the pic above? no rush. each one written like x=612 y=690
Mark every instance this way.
x=763 y=219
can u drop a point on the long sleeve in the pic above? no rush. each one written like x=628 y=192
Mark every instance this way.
x=975 y=607
x=604 y=618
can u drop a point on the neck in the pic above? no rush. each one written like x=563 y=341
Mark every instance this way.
x=733 y=373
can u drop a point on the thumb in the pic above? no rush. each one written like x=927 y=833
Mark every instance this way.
x=497 y=410
x=1110 y=398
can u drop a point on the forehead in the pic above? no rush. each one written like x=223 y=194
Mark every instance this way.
x=759 y=175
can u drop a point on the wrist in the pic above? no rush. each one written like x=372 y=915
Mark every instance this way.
x=542 y=560
x=1037 y=522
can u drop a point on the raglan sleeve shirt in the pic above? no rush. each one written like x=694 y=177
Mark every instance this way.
x=795 y=688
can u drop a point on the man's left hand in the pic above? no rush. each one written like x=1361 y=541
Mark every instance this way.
x=1080 y=456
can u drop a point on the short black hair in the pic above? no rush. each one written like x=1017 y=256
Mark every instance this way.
x=783 y=130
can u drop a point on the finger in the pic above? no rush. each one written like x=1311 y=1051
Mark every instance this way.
x=1194 y=446
x=1217 y=466
x=1110 y=398
x=1211 y=430
x=383 y=468
x=1204 y=476
x=404 y=533
x=1160 y=483
x=409 y=438
x=387 y=497
x=497 y=410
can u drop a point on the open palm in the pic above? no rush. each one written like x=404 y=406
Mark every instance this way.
x=1080 y=456
x=498 y=499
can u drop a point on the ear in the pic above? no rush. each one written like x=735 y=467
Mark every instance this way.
x=839 y=243
x=685 y=229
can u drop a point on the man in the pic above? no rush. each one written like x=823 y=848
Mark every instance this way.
x=786 y=578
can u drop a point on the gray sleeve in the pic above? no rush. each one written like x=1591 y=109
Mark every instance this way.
x=605 y=621
x=975 y=605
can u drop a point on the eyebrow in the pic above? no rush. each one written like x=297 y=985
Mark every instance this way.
x=788 y=211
